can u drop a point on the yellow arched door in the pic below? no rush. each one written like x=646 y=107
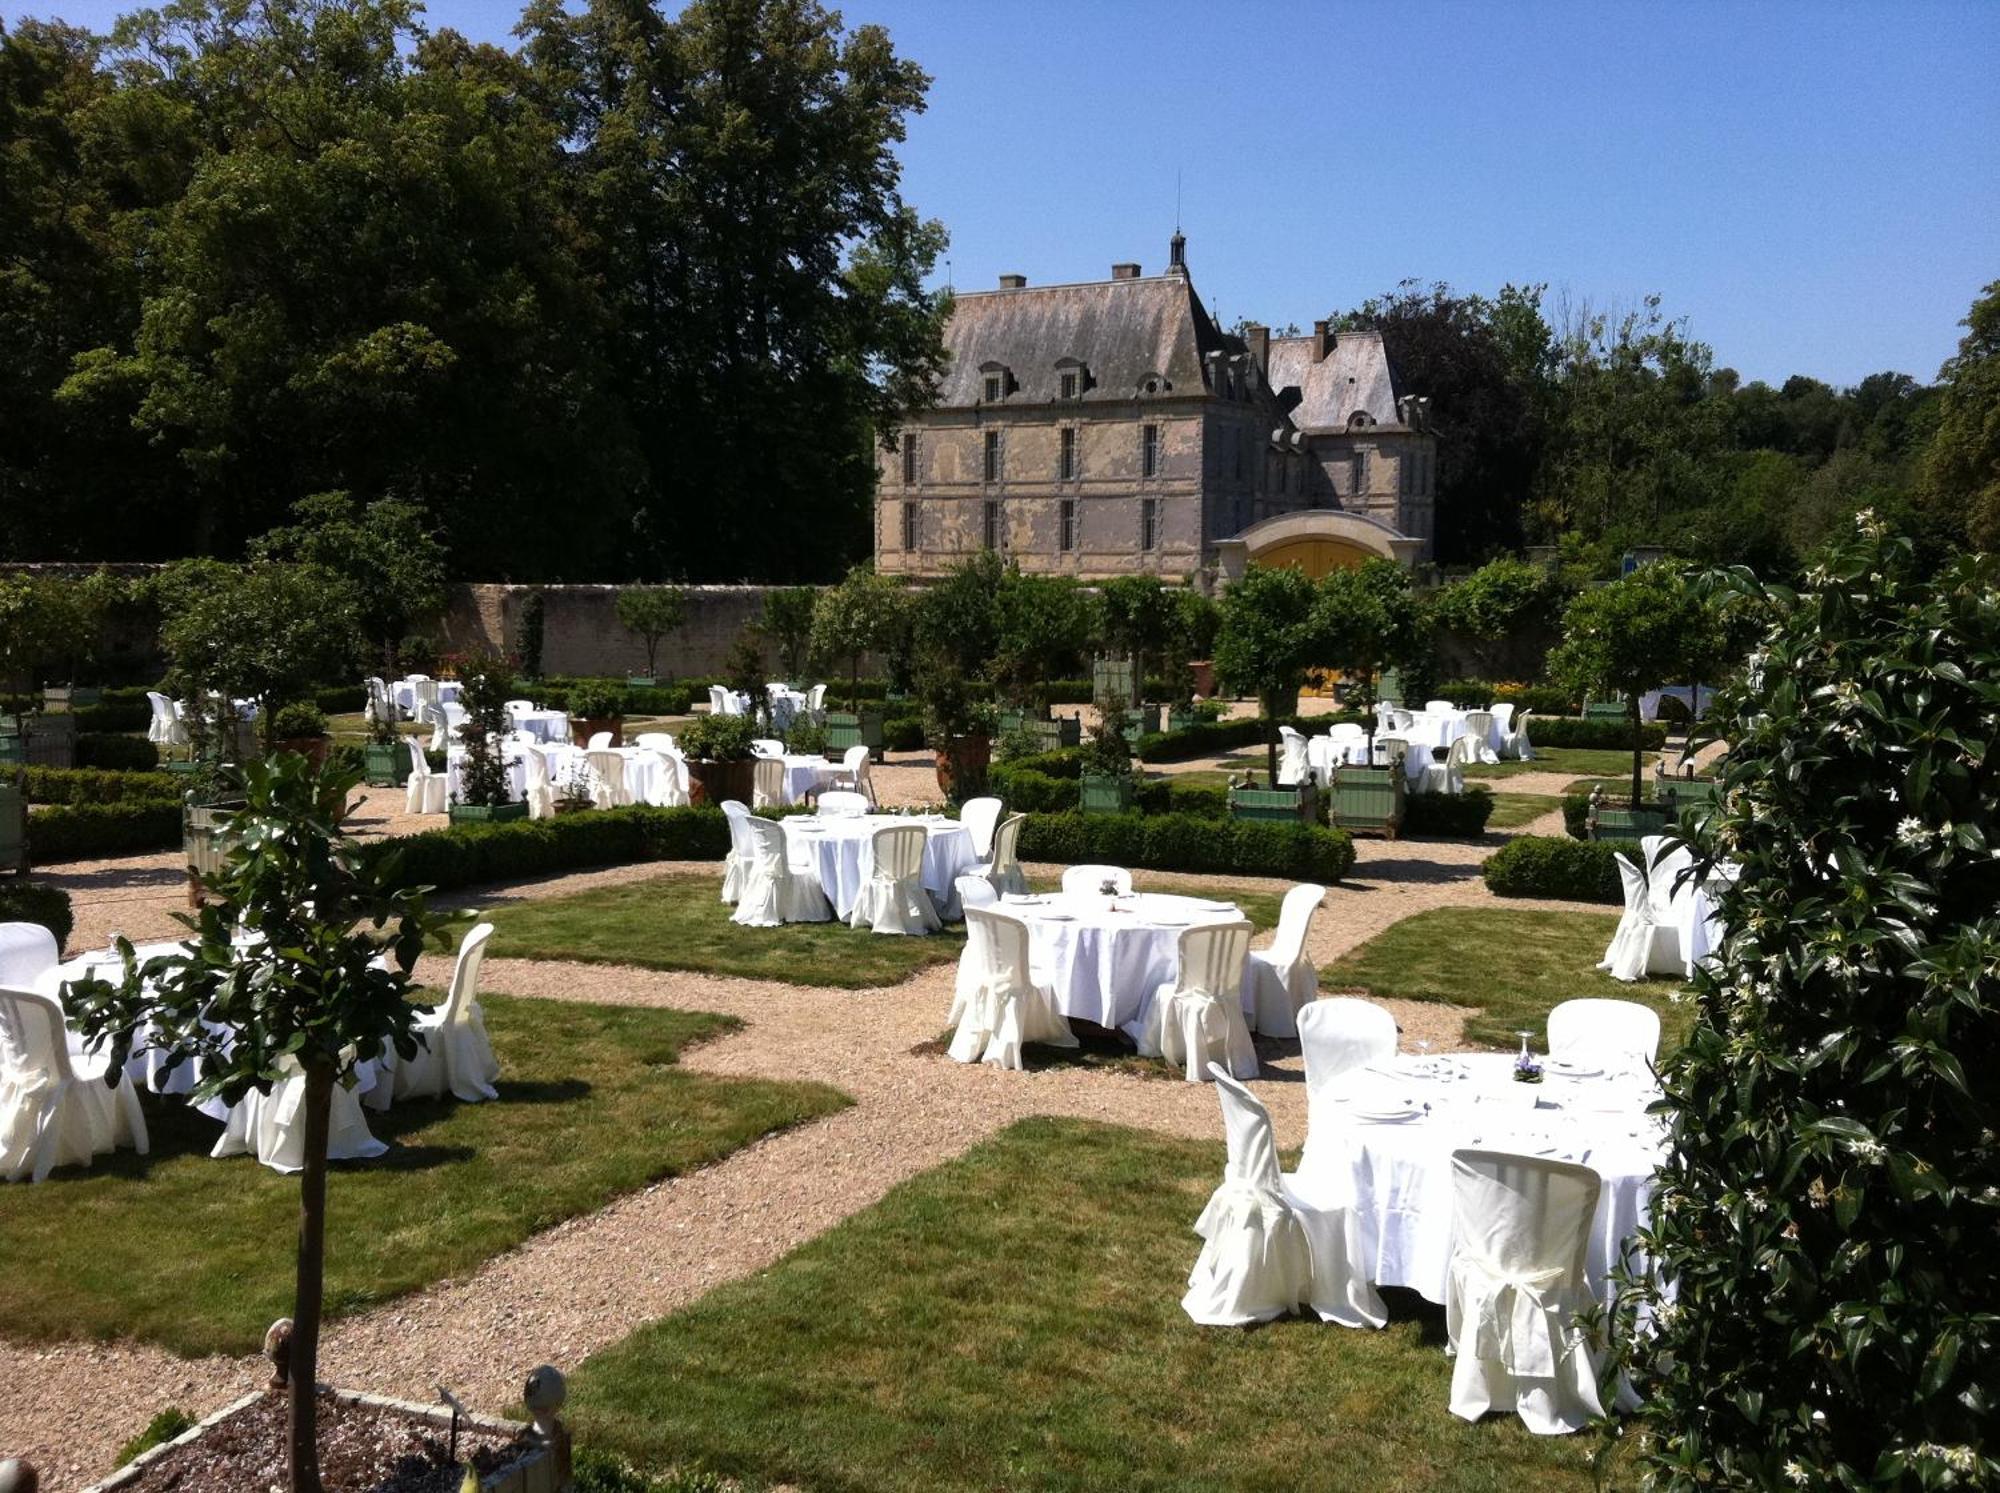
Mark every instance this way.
x=1315 y=556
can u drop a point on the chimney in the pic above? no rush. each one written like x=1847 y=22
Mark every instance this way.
x=1259 y=339
x=1124 y=271
x=1013 y=282
x=1322 y=340
x=1177 y=254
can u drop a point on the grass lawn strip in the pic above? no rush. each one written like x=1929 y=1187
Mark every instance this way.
x=1510 y=965
x=1512 y=810
x=1581 y=762
x=1012 y=1319
x=196 y=1254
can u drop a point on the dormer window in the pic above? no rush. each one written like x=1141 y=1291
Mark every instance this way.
x=994 y=388
x=1072 y=378
x=1358 y=419
x=1156 y=383
x=1069 y=385
x=996 y=382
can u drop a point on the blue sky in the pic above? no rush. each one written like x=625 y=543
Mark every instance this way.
x=1816 y=188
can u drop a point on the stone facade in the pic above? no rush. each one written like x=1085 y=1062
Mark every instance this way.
x=1111 y=427
x=581 y=633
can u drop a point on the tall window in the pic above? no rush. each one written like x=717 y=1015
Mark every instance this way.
x=909 y=526
x=1066 y=540
x=992 y=456
x=1149 y=523
x=1357 y=473
x=1066 y=466
x=992 y=388
x=990 y=535
x=909 y=458
x=1069 y=386
x=1149 y=451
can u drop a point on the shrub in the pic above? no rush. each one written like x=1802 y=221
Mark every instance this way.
x=595 y=700
x=117 y=753
x=298 y=721
x=1448 y=816
x=1212 y=738
x=1827 y=1204
x=162 y=1428
x=32 y=902
x=1181 y=842
x=805 y=739
x=1545 y=866
x=1477 y=694
x=1606 y=735
x=1576 y=815
x=88 y=785
x=342 y=699
x=115 y=716
x=903 y=733
x=472 y=854
x=718 y=738
x=73 y=832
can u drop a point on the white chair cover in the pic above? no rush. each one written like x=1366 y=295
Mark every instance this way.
x=656 y=741
x=981 y=816
x=1612 y=1030
x=1003 y=871
x=55 y=1109
x=736 y=865
x=772 y=894
x=1640 y=946
x=840 y=804
x=1266 y=1249
x=1519 y=1227
x=424 y=791
x=1281 y=978
x=600 y=741
x=1664 y=861
x=1439 y=707
x=166 y=727
x=1518 y=744
x=1448 y=776
x=541 y=792
x=456 y=1057
x=1088 y=881
x=998 y=1006
x=1479 y=728
x=27 y=952
x=767 y=783
x=271 y=1127
x=764 y=746
x=975 y=891
x=1197 y=1018
x=607 y=779
x=446 y=720
x=1293 y=763
x=1503 y=723
x=816 y=704
x=513 y=706
x=1401 y=719
x=893 y=899
x=852 y=774
x=1337 y=1036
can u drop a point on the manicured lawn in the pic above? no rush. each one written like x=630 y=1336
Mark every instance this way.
x=1512 y=810
x=681 y=922
x=196 y=1254
x=1012 y=1320
x=1511 y=965
x=1576 y=761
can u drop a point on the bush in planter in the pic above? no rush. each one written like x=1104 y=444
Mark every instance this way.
x=1829 y=1203
x=31 y=902
x=1017 y=745
x=806 y=739
x=595 y=700
x=485 y=685
x=298 y=721
x=1546 y=866
x=1448 y=816
x=717 y=738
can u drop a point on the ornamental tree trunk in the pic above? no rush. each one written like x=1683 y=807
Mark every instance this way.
x=1638 y=744
x=304 y=1355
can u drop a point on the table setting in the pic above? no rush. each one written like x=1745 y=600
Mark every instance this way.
x=1104 y=956
x=840 y=853
x=543 y=725
x=404 y=692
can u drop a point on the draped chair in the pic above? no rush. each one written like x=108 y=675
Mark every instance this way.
x=166 y=727
x=1448 y=776
x=272 y=1127
x=424 y=790
x=981 y=816
x=1641 y=945
x=456 y=1057
x=1197 y=1018
x=541 y=793
x=852 y=774
x=840 y=804
x=1281 y=978
x=1293 y=764
x=772 y=892
x=55 y=1108
x=607 y=779
x=893 y=899
x=1479 y=729
x=1610 y=1030
x=1002 y=870
x=1518 y=746
x=1338 y=1036
x=28 y=951
x=1088 y=881
x=767 y=783
x=736 y=865
x=998 y=1006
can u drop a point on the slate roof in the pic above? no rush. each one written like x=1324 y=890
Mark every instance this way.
x=1354 y=375
x=1123 y=331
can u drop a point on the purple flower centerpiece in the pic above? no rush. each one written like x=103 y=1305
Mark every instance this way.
x=1526 y=1069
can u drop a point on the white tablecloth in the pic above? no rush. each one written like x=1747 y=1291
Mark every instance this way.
x=1105 y=957
x=841 y=854
x=543 y=725
x=803 y=775
x=404 y=693
x=1695 y=918
x=1396 y=1176
x=649 y=777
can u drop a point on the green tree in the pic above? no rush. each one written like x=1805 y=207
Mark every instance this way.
x=41 y=619
x=1821 y=1281
x=865 y=613
x=325 y=982
x=386 y=551
x=1268 y=637
x=1494 y=605
x=1367 y=618
x=735 y=165
x=1137 y=616
x=1961 y=474
x=1629 y=636
x=788 y=619
x=1043 y=628
x=651 y=613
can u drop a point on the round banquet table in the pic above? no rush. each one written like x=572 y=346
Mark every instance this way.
x=1105 y=956
x=841 y=853
x=649 y=777
x=543 y=725
x=803 y=775
x=1434 y=728
x=1396 y=1175
x=404 y=693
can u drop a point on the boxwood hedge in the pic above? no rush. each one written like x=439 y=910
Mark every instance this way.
x=115 y=752
x=1448 y=816
x=81 y=831
x=1027 y=790
x=1575 y=731
x=90 y=785
x=1182 y=842
x=471 y=854
x=32 y=902
x=1551 y=866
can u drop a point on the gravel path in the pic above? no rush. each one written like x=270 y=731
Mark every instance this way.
x=585 y=1284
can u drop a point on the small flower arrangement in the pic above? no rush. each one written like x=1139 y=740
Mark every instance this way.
x=1527 y=1070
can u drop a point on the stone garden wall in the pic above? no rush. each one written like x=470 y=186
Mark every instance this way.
x=581 y=633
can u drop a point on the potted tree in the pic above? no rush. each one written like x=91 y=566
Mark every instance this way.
x=1107 y=784
x=959 y=728
x=651 y=612
x=596 y=706
x=40 y=618
x=300 y=727
x=387 y=553
x=720 y=763
x=384 y=760
x=1044 y=626
x=486 y=794
x=327 y=983
x=1268 y=636
x=866 y=613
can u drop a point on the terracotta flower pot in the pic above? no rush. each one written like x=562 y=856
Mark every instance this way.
x=581 y=731
x=312 y=748
x=961 y=767
x=718 y=782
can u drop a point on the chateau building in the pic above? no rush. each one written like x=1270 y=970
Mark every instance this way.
x=1111 y=427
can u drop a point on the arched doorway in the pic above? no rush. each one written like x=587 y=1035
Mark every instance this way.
x=1315 y=556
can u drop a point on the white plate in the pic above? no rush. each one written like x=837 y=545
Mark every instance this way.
x=1385 y=1116
x=1059 y=917
x=1573 y=1069
x=1171 y=923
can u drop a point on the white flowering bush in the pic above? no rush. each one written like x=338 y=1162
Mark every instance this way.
x=1824 y=1304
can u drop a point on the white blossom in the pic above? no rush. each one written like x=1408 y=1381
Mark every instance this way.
x=1868 y=1150
x=1911 y=831
x=1797 y=1474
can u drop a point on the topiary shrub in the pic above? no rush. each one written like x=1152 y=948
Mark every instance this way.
x=31 y=902
x=89 y=785
x=1606 y=735
x=1448 y=816
x=473 y=854
x=903 y=733
x=1569 y=870
x=1831 y=1203
x=116 y=753
x=81 y=831
x=1181 y=842
x=298 y=720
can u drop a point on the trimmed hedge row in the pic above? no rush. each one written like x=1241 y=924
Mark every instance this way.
x=116 y=753
x=1181 y=842
x=470 y=854
x=91 y=785
x=1575 y=731
x=31 y=902
x=1546 y=866
x=82 y=831
x=1448 y=816
x=1477 y=694
x=1027 y=791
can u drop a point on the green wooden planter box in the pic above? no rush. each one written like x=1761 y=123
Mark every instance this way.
x=487 y=813
x=205 y=839
x=1182 y=720
x=384 y=766
x=1067 y=731
x=39 y=741
x=846 y=728
x=1299 y=805
x=71 y=697
x=1106 y=795
x=1623 y=822
x=640 y=681
x=1113 y=679
x=1685 y=793
x=1369 y=798
x=1605 y=710
x=13 y=827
